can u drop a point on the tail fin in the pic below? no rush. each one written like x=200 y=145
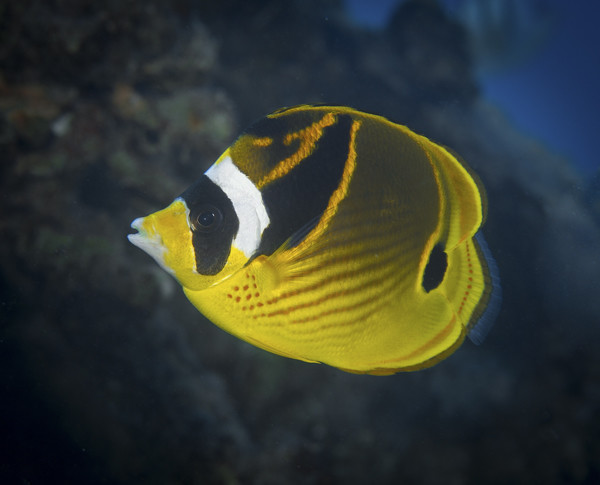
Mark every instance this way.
x=489 y=306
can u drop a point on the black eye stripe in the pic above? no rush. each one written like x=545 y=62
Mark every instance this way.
x=214 y=224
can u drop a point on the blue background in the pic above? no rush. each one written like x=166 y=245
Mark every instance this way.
x=553 y=95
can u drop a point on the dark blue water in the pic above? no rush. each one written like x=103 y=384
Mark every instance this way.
x=553 y=94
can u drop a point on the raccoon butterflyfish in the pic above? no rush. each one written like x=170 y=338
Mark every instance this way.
x=330 y=235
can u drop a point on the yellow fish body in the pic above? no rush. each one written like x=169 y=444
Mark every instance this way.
x=329 y=235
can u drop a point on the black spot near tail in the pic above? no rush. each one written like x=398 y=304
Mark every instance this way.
x=435 y=269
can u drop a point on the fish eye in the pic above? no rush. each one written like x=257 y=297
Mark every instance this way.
x=206 y=218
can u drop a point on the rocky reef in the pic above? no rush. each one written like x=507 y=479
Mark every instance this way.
x=108 y=374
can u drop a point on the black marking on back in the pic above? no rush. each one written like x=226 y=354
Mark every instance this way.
x=211 y=249
x=299 y=235
x=277 y=129
x=300 y=197
x=436 y=268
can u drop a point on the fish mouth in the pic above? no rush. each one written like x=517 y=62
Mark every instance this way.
x=152 y=243
x=140 y=238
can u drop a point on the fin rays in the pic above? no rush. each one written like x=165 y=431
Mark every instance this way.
x=481 y=327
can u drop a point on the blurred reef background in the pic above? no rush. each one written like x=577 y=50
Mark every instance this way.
x=108 y=375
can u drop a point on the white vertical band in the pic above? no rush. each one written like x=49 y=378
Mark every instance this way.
x=247 y=202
